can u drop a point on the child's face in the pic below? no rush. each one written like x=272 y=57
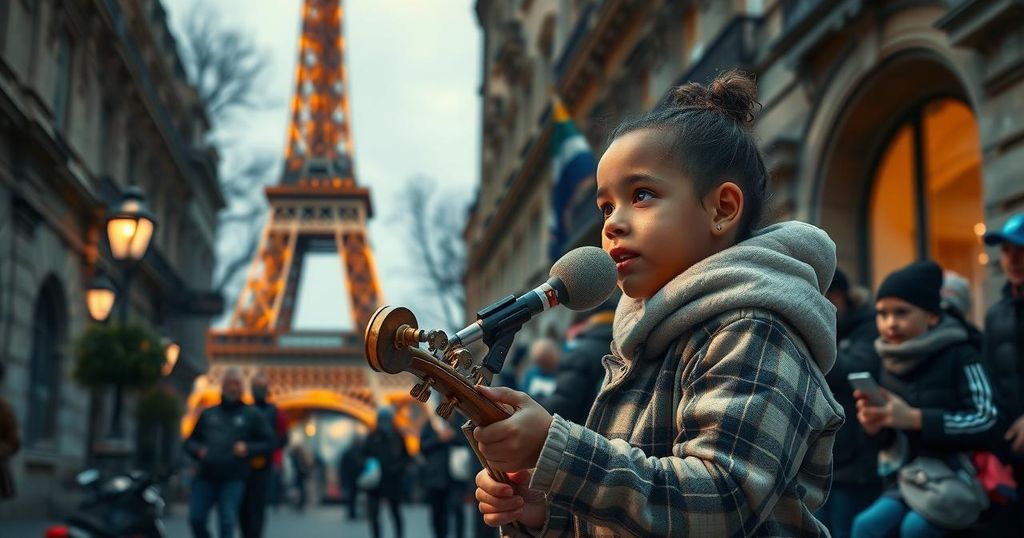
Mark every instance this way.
x=654 y=226
x=899 y=321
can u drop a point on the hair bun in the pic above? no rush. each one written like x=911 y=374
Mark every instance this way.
x=733 y=93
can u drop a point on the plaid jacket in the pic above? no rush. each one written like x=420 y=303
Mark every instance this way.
x=730 y=434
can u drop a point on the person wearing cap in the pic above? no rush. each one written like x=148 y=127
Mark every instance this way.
x=937 y=398
x=855 y=484
x=1004 y=334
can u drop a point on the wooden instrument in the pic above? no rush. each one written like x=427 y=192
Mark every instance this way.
x=393 y=340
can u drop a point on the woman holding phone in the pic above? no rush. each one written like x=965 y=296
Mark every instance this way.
x=936 y=404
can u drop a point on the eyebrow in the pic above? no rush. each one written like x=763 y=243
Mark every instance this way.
x=630 y=180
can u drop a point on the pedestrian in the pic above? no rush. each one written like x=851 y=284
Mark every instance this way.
x=956 y=303
x=302 y=464
x=715 y=418
x=1004 y=348
x=934 y=405
x=225 y=437
x=446 y=473
x=10 y=443
x=581 y=368
x=261 y=478
x=855 y=482
x=539 y=379
x=349 y=466
x=387 y=447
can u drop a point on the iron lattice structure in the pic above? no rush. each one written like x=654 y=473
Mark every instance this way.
x=316 y=207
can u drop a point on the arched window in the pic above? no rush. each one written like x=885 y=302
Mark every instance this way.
x=48 y=328
x=927 y=201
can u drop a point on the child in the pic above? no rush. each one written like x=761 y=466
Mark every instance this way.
x=715 y=418
x=938 y=398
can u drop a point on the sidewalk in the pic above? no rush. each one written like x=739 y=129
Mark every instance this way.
x=320 y=522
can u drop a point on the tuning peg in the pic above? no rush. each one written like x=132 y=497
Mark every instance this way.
x=445 y=409
x=461 y=358
x=421 y=391
x=437 y=340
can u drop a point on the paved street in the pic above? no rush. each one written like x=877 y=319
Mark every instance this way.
x=321 y=522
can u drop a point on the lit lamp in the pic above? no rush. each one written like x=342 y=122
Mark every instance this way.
x=171 y=353
x=99 y=297
x=129 y=231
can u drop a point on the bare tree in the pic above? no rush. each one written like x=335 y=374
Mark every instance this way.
x=226 y=66
x=224 y=63
x=435 y=220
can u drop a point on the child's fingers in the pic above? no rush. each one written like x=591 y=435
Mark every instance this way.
x=498 y=504
x=504 y=395
x=485 y=481
x=497 y=520
x=494 y=433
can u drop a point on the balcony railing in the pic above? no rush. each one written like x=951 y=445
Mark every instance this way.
x=735 y=46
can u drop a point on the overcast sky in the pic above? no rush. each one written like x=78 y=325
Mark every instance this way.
x=413 y=76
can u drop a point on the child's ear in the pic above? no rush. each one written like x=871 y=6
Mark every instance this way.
x=725 y=204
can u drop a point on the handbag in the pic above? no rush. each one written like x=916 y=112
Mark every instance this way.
x=458 y=464
x=947 y=498
x=996 y=478
x=369 y=478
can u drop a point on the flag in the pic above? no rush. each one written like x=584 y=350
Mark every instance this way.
x=575 y=169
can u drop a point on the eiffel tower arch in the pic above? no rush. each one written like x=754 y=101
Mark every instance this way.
x=317 y=207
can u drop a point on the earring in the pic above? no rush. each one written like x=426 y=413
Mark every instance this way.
x=718 y=226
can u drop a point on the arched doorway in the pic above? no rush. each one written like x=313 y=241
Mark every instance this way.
x=894 y=167
x=926 y=199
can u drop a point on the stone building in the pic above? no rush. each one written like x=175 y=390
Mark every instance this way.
x=93 y=99
x=896 y=126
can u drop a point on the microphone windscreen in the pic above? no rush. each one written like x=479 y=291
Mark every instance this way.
x=588 y=274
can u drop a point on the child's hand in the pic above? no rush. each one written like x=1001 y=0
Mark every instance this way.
x=502 y=504
x=515 y=443
x=896 y=413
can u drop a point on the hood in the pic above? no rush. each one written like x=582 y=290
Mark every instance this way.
x=784 y=268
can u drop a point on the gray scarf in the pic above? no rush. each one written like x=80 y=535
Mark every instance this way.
x=903 y=358
x=784 y=268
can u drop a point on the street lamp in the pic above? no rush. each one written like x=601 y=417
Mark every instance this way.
x=99 y=297
x=129 y=231
x=171 y=353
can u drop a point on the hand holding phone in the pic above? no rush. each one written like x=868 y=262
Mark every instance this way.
x=863 y=382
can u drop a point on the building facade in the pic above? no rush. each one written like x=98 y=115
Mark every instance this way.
x=93 y=99
x=897 y=126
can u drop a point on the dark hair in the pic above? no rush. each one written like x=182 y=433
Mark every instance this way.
x=709 y=137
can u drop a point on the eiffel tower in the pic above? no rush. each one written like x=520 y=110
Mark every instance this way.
x=316 y=207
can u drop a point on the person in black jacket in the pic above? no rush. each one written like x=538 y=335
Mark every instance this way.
x=1004 y=341
x=257 y=487
x=387 y=446
x=581 y=368
x=444 y=491
x=223 y=440
x=855 y=482
x=937 y=395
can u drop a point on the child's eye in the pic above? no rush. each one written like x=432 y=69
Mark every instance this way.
x=642 y=195
x=606 y=210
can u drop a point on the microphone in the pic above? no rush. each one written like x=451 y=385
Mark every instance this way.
x=581 y=280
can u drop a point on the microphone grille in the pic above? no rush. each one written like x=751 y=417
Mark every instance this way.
x=588 y=274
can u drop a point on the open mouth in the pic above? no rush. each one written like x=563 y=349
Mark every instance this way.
x=623 y=257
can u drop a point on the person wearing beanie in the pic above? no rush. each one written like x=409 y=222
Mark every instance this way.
x=938 y=401
x=956 y=303
x=855 y=483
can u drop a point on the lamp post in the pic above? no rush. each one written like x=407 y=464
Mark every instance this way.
x=99 y=297
x=129 y=232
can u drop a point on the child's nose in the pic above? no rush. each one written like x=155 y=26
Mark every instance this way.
x=614 y=226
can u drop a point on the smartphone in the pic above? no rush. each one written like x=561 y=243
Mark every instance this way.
x=863 y=382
